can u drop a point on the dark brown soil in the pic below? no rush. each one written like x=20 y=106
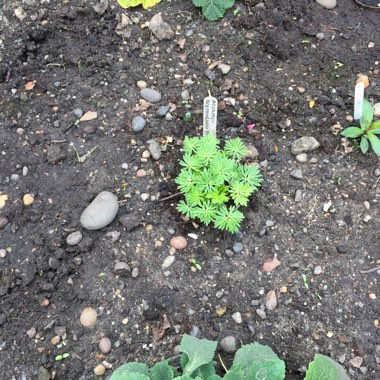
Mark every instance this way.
x=76 y=60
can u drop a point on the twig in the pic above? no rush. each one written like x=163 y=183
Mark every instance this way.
x=370 y=270
x=222 y=363
x=169 y=197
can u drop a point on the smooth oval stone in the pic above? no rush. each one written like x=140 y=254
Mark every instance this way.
x=138 y=123
x=100 y=212
x=88 y=317
x=328 y=4
x=150 y=95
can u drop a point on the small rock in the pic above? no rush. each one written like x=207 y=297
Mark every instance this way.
x=328 y=4
x=25 y=171
x=20 y=13
x=141 y=84
x=377 y=172
x=3 y=222
x=150 y=95
x=376 y=109
x=145 y=154
x=60 y=330
x=210 y=75
x=252 y=152
x=178 y=242
x=74 y=238
x=195 y=331
x=105 y=345
x=301 y=158
x=317 y=270
x=237 y=317
x=55 y=340
x=144 y=196
x=162 y=111
x=99 y=370
x=54 y=154
x=237 y=247
x=356 y=362
x=53 y=263
x=168 y=262
x=169 y=116
x=141 y=173
x=135 y=272
x=229 y=344
x=185 y=95
x=261 y=313
x=271 y=300
x=342 y=248
x=269 y=223
x=367 y=218
x=138 y=124
x=224 y=68
x=122 y=269
x=100 y=212
x=124 y=166
x=154 y=149
x=320 y=36
x=298 y=196
x=130 y=221
x=304 y=144
x=3 y=253
x=28 y=199
x=43 y=374
x=88 y=317
x=326 y=206
x=160 y=28
x=296 y=174
x=78 y=113
x=31 y=332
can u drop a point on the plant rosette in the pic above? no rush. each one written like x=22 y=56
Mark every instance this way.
x=367 y=131
x=214 y=182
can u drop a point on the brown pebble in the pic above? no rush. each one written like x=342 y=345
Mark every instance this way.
x=178 y=242
x=28 y=199
x=88 y=317
x=3 y=222
x=140 y=173
x=99 y=370
x=105 y=345
x=271 y=301
x=31 y=332
x=55 y=340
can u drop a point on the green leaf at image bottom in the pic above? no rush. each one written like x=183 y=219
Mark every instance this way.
x=325 y=368
x=128 y=370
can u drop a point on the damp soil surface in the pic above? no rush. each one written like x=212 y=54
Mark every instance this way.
x=293 y=66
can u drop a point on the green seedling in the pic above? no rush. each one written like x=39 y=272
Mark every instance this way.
x=195 y=264
x=214 y=182
x=252 y=361
x=61 y=357
x=214 y=9
x=304 y=278
x=367 y=131
x=83 y=158
x=239 y=114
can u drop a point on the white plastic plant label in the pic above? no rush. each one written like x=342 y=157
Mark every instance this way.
x=358 y=102
x=210 y=114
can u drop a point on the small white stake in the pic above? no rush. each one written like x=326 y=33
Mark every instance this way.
x=210 y=113
x=359 y=96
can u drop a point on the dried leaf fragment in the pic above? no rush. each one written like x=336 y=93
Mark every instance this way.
x=160 y=330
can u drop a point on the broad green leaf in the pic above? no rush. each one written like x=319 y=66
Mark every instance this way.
x=367 y=115
x=187 y=377
x=162 y=371
x=375 y=142
x=352 y=132
x=214 y=377
x=364 y=145
x=128 y=368
x=199 y=352
x=214 y=9
x=205 y=371
x=134 y=3
x=325 y=368
x=256 y=361
x=231 y=375
x=130 y=376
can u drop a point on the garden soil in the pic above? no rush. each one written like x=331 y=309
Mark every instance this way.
x=292 y=71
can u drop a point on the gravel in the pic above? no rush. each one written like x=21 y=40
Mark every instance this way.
x=138 y=124
x=229 y=344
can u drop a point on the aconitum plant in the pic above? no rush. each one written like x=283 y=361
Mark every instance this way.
x=214 y=182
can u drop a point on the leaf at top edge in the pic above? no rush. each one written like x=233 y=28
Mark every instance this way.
x=149 y=3
x=129 y=3
x=367 y=115
x=214 y=9
x=198 y=351
x=133 y=367
x=325 y=368
x=375 y=142
x=231 y=375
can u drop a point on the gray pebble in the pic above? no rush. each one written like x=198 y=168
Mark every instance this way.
x=298 y=196
x=162 y=111
x=15 y=177
x=124 y=166
x=53 y=263
x=150 y=95
x=130 y=221
x=189 y=32
x=138 y=123
x=195 y=331
x=261 y=313
x=100 y=212
x=154 y=149
x=297 y=174
x=77 y=261
x=219 y=294
x=78 y=113
x=185 y=95
x=122 y=269
x=105 y=345
x=269 y=223
x=135 y=272
x=169 y=116
x=304 y=144
x=377 y=172
x=209 y=74
x=237 y=317
x=237 y=247
x=229 y=344
x=74 y=238
x=320 y=36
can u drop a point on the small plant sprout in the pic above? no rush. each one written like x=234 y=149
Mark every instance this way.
x=83 y=158
x=195 y=266
x=367 y=132
x=214 y=182
x=305 y=283
x=61 y=357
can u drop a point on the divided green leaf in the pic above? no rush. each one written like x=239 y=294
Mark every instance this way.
x=325 y=368
x=214 y=9
x=129 y=369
